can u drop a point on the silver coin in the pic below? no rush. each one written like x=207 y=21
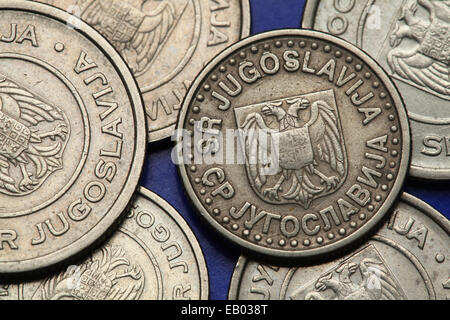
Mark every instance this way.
x=72 y=136
x=153 y=256
x=339 y=140
x=411 y=40
x=408 y=258
x=165 y=44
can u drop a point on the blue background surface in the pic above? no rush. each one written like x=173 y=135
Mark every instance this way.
x=161 y=176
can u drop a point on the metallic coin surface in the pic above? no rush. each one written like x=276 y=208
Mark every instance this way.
x=411 y=40
x=408 y=258
x=336 y=150
x=72 y=136
x=153 y=256
x=165 y=43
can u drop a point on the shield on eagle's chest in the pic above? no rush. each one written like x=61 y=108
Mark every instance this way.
x=93 y=286
x=436 y=43
x=121 y=21
x=295 y=149
x=14 y=137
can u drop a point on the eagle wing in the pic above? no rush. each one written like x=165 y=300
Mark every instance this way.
x=379 y=281
x=33 y=111
x=257 y=146
x=153 y=33
x=425 y=72
x=140 y=48
x=327 y=138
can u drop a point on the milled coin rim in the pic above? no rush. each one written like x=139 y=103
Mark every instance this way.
x=127 y=191
x=407 y=198
x=415 y=171
x=167 y=131
x=393 y=194
x=186 y=229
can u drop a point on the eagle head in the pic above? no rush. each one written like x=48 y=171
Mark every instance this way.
x=273 y=109
x=296 y=105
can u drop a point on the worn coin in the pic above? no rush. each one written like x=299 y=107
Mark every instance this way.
x=337 y=150
x=408 y=258
x=153 y=256
x=165 y=43
x=411 y=40
x=72 y=136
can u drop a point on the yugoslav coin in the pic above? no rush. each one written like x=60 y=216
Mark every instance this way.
x=72 y=136
x=409 y=258
x=411 y=40
x=322 y=143
x=153 y=256
x=165 y=43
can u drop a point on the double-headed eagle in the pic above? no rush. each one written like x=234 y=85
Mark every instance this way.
x=107 y=275
x=425 y=64
x=33 y=135
x=375 y=283
x=136 y=34
x=301 y=152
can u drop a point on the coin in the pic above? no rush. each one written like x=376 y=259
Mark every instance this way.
x=408 y=258
x=335 y=158
x=165 y=44
x=410 y=39
x=153 y=256
x=72 y=140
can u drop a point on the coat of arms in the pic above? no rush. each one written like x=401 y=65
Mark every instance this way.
x=420 y=46
x=363 y=276
x=136 y=33
x=107 y=275
x=305 y=158
x=33 y=137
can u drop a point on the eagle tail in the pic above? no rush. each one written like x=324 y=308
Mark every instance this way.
x=310 y=187
x=41 y=165
x=294 y=190
x=49 y=151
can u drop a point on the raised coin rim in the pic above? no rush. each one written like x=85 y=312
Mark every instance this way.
x=407 y=198
x=101 y=228
x=193 y=241
x=309 y=15
x=166 y=132
x=403 y=167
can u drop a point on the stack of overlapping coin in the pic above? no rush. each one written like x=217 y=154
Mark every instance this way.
x=293 y=145
x=73 y=141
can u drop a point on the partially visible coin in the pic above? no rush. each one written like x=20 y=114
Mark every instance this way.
x=165 y=43
x=411 y=40
x=72 y=136
x=336 y=150
x=153 y=256
x=408 y=258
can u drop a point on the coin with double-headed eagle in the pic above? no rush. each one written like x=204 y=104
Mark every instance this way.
x=407 y=259
x=72 y=136
x=165 y=43
x=293 y=143
x=153 y=256
x=411 y=40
